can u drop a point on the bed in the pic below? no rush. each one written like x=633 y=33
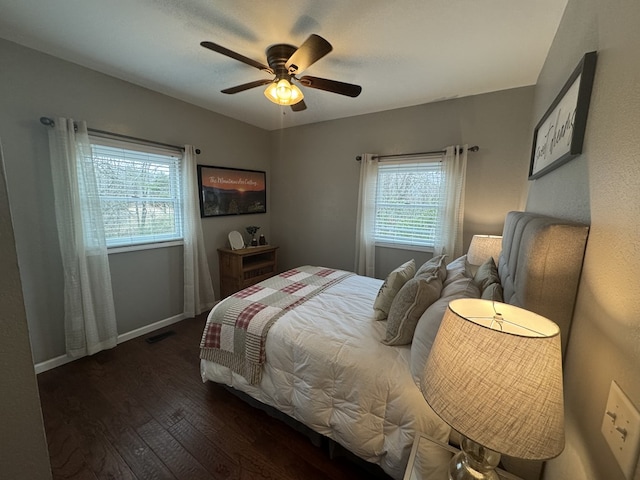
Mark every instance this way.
x=309 y=343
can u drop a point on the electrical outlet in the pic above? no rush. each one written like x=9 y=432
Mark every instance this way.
x=621 y=429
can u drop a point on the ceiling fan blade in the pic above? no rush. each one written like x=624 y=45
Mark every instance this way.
x=348 y=89
x=298 y=107
x=236 y=56
x=246 y=86
x=313 y=49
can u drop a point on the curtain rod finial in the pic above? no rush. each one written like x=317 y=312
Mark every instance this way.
x=47 y=121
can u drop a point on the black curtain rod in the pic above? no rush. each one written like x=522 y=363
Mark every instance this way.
x=50 y=123
x=475 y=148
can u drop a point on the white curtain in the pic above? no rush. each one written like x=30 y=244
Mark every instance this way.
x=448 y=239
x=90 y=321
x=198 y=290
x=365 y=222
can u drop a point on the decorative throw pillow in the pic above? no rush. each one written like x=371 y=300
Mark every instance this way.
x=493 y=292
x=459 y=268
x=391 y=286
x=458 y=264
x=429 y=323
x=407 y=307
x=487 y=274
x=436 y=265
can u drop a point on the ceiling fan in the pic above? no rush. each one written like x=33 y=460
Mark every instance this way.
x=285 y=62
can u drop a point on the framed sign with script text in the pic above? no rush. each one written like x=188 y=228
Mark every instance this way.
x=231 y=191
x=559 y=135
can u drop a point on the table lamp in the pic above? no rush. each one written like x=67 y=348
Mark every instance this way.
x=482 y=247
x=494 y=374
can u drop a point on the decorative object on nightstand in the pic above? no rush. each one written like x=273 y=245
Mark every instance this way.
x=429 y=460
x=252 y=230
x=482 y=247
x=504 y=393
x=235 y=240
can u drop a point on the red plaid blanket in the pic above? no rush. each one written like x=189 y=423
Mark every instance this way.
x=237 y=327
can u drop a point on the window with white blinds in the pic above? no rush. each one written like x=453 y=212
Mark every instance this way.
x=408 y=199
x=139 y=188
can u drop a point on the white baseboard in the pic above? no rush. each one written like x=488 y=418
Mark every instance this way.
x=62 y=359
x=52 y=363
x=138 y=332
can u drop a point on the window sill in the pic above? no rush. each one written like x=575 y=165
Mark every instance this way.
x=144 y=246
x=401 y=246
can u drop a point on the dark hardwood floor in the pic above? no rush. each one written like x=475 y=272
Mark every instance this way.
x=141 y=411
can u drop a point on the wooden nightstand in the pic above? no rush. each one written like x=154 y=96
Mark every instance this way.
x=429 y=460
x=245 y=267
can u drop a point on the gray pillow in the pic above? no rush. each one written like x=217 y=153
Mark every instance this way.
x=436 y=265
x=391 y=286
x=408 y=305
x=493 y=292
x=429 y=323
x=487 y=274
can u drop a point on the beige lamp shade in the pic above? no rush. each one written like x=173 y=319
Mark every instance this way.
x=495 y=375
x=482 y=247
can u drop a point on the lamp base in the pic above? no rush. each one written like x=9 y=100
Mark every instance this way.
x=474 y=462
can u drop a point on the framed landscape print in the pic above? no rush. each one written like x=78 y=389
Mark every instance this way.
x=231 y=191
x=559 y=135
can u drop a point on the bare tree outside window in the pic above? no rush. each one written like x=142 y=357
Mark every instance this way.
x=407 y=203
x=139 y=194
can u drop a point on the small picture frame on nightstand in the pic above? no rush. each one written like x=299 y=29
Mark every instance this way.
x=235 y=240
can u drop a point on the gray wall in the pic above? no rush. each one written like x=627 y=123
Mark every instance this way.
x=313 y=189
x=602 y=187
x=312 y=184
x=315 y=174
x=148 y=284
x=23 y=447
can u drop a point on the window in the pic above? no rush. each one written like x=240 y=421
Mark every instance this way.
x=408 y=201
x=139 y=188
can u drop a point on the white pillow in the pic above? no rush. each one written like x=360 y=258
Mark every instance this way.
x=456 y=269
x=429 y=323
x=391 y=286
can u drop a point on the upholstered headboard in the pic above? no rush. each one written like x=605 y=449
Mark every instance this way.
x=540 y=265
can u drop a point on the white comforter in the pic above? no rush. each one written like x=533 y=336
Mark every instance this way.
x=327 y=368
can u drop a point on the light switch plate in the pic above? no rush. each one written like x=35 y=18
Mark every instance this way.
x=621 y=429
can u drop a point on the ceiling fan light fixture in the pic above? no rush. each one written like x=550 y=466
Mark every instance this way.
x=282 y=92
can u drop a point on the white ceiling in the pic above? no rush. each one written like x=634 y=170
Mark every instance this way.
x=402 y=53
